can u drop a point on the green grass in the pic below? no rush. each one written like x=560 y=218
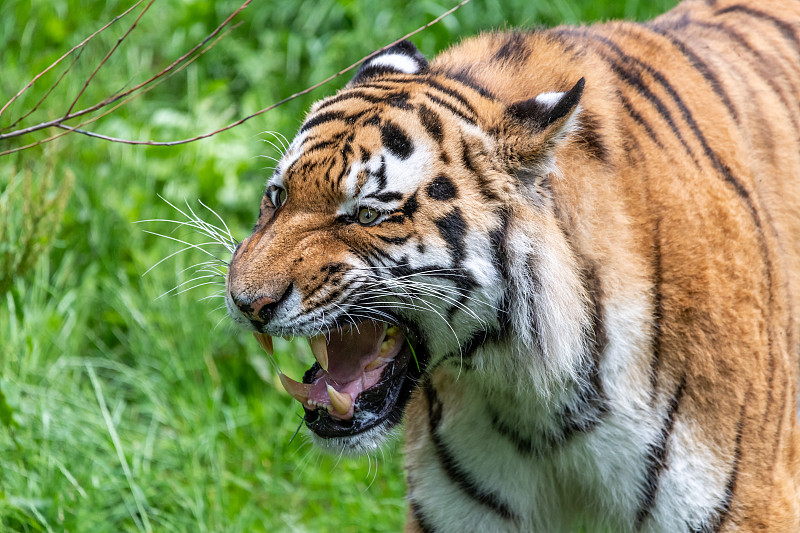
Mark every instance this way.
x=123 y=411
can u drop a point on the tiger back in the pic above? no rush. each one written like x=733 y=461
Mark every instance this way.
x=568 y=259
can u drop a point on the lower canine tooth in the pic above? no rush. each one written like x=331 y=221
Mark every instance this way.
x=320 y=350
x=298 y=391
x=265 y=341
x=341 y=401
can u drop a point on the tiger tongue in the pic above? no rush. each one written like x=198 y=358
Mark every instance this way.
x=349 y=352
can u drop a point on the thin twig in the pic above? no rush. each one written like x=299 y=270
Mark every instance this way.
x=157 y=82
x=47 y=94
x=111 y=99
x=58 y=123
x=123 y=102
x=107 y=56
x=280 y=102
x=57 y=61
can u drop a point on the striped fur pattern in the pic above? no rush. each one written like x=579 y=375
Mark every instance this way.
x=591 y=237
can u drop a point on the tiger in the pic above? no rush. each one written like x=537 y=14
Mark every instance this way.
x=566 y=261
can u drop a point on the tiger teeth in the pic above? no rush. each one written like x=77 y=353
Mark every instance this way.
x=317 y=405
x=298 y=391
x=341 y=401
x=375 y=363
x=265 y=341
x=387 y=345
x=381 y=360
x=320 y=350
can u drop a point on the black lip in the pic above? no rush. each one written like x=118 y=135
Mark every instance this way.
x=385 y=401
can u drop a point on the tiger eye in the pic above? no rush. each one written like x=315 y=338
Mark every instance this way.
x=277 y=195
x=367 y=216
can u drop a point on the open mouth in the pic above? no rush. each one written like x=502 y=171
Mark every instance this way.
x=362 y=378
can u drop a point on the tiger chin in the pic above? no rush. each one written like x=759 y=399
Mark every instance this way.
x=567 y=259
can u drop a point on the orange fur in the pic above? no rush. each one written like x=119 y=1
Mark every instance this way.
x=680 y=187
x=730 y=279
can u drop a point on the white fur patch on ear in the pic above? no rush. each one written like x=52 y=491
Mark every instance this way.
x=548 y=108
x=398 y=62
x=549 y=99
x=402 y=58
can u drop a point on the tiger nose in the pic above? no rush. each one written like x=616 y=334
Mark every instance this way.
x=252 y=310
x=261 y=309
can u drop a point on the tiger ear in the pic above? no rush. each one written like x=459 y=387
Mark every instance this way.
x=545 y=120
x=402 y=58
x=548 y=110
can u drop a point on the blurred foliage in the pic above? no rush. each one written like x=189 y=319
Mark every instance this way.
x=139 y=413
x=30 y=216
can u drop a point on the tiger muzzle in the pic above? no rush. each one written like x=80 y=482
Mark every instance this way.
x=261 y=310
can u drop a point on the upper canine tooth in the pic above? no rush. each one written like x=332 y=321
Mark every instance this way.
x=320 y=350
x=298 y=391
x=341 y=401
x=265 y=341
x=387 y=345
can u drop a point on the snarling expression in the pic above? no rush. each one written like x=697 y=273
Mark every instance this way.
x=378 y=239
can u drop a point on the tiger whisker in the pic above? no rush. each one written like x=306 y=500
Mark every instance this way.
x=431 y=309
x=455 y=290
x=198 y=223
x=227 y=240
x=450 y=271
x=195 y=287
x=268 y=157
x=197 y=265
x=429 y=291
x=279 y=134
x=414 y=304
x=167 y=257
x=355 y=325
x=447 y=299
x=279 y=137
x=277 y=149
x=227 y=229
x=218 y=239
x=445 y=292
x=210 y=271
x=220 y=321
x=176 y=287
x=189 y=245
x=204 y=270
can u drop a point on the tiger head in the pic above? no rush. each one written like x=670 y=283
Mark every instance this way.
x=408 y=224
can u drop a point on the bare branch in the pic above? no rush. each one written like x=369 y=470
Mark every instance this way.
x=108 y=55
x=111 y=99
x=47 y=94
x=59 y=122
x=145 y=90
x=57 y=61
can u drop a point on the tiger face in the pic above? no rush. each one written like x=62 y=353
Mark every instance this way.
x=384 y=234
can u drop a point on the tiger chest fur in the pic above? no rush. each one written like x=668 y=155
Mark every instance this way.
x=567 y=259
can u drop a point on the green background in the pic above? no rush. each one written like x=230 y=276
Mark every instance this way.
x=123 y=411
